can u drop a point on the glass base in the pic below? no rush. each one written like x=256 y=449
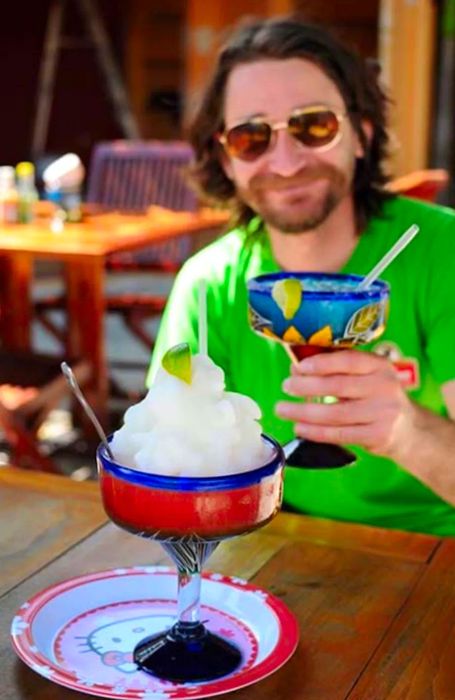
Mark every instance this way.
x=187 y=654
x=306 y=454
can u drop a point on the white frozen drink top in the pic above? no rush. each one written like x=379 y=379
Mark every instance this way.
x=192 y=429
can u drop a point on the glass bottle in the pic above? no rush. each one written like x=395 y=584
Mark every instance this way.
x=9 y=198
x=28 y=194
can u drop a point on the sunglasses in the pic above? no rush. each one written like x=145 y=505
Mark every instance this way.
x=317 y=127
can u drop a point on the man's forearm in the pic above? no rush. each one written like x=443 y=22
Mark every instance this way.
x=429 y=454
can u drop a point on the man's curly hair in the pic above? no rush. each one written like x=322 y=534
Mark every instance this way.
x=356 y=79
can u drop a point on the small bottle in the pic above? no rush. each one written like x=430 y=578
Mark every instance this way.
x=72 y=203
x=63 y=183
x=28 y=194
x=53 y=194
x=9 y=198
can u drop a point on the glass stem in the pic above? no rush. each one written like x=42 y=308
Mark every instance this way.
x=189 y=555
x=189 y=594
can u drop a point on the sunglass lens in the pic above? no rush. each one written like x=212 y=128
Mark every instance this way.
x=248 y=141
x=314 y=129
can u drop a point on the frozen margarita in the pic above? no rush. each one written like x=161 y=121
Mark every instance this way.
x=190 y=458
x=188 y=425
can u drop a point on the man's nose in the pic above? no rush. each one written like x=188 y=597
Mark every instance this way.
x=287 y=156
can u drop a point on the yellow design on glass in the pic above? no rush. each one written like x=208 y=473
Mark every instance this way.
x=323 y=337
x=269 y=333
x=365 y=318
x=292 y=335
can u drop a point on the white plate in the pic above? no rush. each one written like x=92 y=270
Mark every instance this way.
x=80 y=633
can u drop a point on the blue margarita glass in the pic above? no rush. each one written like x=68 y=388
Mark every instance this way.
x=311 y=313
x=190 y=516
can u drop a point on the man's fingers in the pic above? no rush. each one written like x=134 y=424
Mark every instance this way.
x=340 y=385
x=334 y=414
x=342 y=362
x=338 y=434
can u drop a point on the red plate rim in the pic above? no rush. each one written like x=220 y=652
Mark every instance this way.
x=283 y=650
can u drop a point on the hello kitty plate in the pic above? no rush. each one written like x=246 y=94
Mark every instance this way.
x=80 y=633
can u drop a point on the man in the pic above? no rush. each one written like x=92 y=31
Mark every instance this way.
x=291 y=133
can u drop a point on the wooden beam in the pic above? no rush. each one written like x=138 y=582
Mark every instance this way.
x=406 y=53
x=207 y=25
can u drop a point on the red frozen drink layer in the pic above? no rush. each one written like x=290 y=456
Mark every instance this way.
x=209 y=514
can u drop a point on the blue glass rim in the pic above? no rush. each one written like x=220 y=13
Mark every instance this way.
x=377 y=290
x=194 y=483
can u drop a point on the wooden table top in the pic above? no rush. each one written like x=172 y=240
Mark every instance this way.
x=41 y=516
x=83 y=250
x=101 y=234
x=376 y=608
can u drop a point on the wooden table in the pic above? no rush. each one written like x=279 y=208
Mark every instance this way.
x=376 y=608
x=83 y=248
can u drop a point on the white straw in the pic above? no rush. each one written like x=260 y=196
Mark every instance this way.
x=202 y=300
x=401 y=243
x=290 y=354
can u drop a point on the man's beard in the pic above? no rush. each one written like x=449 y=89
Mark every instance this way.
x=305 y=218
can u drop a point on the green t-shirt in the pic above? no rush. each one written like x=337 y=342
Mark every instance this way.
x=420 y=332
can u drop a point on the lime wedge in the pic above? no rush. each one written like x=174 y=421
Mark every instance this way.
x=177 y=361
x=287 y=294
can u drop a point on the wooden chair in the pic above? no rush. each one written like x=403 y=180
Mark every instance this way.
x=421 y=184
x=129 y=176
x=31 y=385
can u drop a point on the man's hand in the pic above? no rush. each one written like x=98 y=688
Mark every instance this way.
x=373 y=410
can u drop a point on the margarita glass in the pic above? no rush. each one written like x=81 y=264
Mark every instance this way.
x=311 y=313
x=189 y=516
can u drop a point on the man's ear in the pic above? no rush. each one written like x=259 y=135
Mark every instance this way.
x=367 y=129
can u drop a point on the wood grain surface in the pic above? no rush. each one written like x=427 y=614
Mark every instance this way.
x=41 y=516
x=105 y=233
x=376 y=608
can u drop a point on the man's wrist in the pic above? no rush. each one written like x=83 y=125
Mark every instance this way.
x=412 y=440
x=427 y=451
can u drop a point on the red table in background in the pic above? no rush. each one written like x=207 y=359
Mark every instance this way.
x=83 y=248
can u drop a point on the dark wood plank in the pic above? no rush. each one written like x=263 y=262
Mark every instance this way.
x=86 y=305
x=41 y=516
x=109 y=547
x=404 y=545
x=61 y=486
x=416 y=660
x=245 y=556
x=106 y=548
x=97 y=236
x=345 y=601
x=15 y=301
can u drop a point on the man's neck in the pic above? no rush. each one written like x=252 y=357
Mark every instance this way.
x=324 y=249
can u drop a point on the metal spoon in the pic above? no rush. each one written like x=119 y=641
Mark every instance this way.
x=72 y=381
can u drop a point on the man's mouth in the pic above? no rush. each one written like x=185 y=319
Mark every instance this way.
x=280 y=184
x=290 y=187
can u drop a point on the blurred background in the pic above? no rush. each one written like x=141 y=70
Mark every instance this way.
x=59 y=97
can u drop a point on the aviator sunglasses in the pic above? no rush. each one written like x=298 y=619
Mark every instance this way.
x=316 y=127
